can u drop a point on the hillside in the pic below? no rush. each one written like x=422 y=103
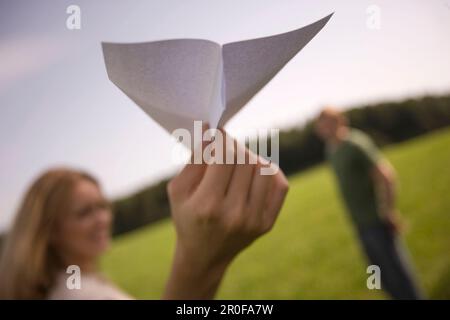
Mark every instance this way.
x=311 y=253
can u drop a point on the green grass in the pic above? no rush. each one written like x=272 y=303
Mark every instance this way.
x=311 y=253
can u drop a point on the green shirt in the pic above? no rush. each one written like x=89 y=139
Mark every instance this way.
x=352 y=161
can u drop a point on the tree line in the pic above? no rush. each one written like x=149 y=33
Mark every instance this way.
x=300 y=148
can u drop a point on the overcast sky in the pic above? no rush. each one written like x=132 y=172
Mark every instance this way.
x=57 y=106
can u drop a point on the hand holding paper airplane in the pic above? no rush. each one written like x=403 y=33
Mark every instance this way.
x=179 y=81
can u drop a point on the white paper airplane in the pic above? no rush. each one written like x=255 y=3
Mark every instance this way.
x=179 y=81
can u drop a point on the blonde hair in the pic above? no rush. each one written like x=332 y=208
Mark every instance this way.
x=29 y=263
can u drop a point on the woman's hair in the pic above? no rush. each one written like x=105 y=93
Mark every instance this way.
x=29 y=263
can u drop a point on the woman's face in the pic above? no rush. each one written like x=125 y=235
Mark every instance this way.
x=84 y=232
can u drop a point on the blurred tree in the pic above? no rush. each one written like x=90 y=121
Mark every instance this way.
x=300 y=148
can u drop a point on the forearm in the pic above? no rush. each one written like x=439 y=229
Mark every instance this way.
x=388 y=196
x=190 y=279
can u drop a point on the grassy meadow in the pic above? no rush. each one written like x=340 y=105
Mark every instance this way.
x=311 y=253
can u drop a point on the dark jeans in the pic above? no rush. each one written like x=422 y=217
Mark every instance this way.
x=385 y=250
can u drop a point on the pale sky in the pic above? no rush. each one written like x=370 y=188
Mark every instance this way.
x=57 y=106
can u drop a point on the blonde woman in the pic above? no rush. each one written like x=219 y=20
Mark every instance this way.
x=64 y=220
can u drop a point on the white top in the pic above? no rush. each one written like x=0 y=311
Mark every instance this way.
x=93 y=286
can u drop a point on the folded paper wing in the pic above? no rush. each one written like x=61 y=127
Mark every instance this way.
x=179 y=81
x=172 y=80
x=249 y=65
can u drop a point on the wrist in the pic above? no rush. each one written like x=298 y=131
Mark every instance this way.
x=193 y=276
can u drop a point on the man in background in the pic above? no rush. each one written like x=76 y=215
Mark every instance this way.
x=367 y=184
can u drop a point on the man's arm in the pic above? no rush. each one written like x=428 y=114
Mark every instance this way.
x=384 y=178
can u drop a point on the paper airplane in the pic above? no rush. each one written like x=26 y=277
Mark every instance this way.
x=179 y=81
